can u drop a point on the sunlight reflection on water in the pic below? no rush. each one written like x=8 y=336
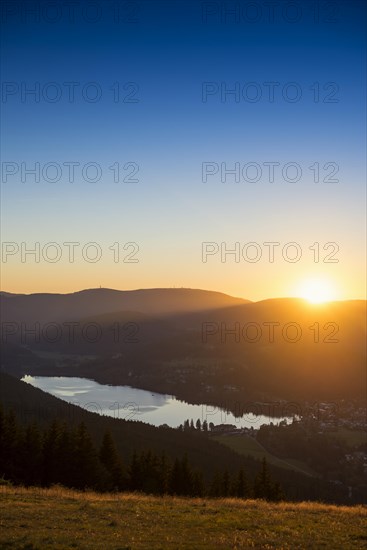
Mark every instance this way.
x=136 y=404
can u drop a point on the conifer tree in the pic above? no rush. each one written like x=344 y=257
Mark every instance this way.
x=111 y=460
x=66 y=447
x=225 y=484
x=50 y=458
x=264 y=487
x=11 y=446
x=32 y=455
x=216 y=485
x=135 y=473
x=86 y=460
x=4 y=445
x=240 y=487
x=163 y=474
x=276 y=493
x=197 y=484
x=150 y=472
x=186 y=477
x=262 y=481
x=174 y=484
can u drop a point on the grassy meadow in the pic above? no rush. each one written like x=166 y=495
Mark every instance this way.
x=59 y=518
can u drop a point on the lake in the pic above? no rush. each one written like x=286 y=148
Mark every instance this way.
x=135 y=404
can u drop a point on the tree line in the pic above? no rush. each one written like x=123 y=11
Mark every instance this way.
x=32 y=455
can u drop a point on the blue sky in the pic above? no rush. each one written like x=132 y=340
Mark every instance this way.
x=168 y=53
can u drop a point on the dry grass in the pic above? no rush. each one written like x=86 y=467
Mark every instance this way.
x=35 y=519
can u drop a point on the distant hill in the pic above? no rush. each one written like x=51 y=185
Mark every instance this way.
x=68 y=307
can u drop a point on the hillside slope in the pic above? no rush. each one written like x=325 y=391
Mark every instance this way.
x=31 y=404
x=135 y=522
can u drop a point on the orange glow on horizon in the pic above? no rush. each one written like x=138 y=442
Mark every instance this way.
x=317 y=290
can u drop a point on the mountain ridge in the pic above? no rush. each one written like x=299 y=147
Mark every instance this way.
x=49 y=306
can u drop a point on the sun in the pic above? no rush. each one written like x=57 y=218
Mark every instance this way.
x=317 y=290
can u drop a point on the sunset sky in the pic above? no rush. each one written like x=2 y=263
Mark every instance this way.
x=162 y=54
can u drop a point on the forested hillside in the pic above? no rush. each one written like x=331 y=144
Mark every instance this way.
x=204 y=455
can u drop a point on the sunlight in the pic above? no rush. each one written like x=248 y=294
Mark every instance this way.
x=317 y=290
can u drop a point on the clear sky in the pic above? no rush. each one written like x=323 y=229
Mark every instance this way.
x=150 y=93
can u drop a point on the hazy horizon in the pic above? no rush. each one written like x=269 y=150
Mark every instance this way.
x=245 y=297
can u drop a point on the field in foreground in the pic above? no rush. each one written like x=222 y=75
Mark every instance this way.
x=33 y=519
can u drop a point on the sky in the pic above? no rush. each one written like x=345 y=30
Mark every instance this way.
x=163 y=135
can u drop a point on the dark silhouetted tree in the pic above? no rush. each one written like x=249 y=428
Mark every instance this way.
x=163 y=474
x=50 y=458
x=181 y=477
x=135 y=474
x=86 y=460
x=240 y=488
x=32 y=453
x=111 y=460
x=198 y=488
x=264 y=487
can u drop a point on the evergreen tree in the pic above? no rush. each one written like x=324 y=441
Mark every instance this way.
x=197 y=484
x=262 y=483
x=240 y=487
x=2 y=440
x=264 y=487
x=50 y=458
x=135 y=473
x=174 y=484
x=150 y=472
x=186 y=477
x=66 y=450
x=163 y=475
x=276 y=493
x=11 y=453
x=110 y=459
x=220 y=485
x=32 y=455
x=215 y=489
x=6 y=446
x=86 y=460
x=225 y=484
x=181 y=478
